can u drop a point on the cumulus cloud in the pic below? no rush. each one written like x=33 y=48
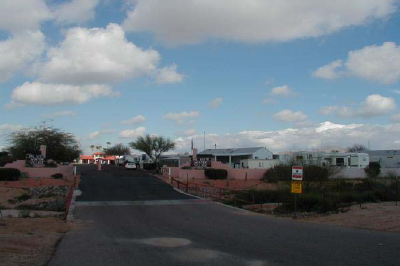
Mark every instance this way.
x=374 y=105
x=290 y=116
x=6 y=128
x=283 y=91
x=21 y=15
x=97 y=134
x=168 y=75
x=381 y=137
x=329 y=71
x=75 y=11
x=216 y=102
x=134 y=120
x=85 y=65
x=252 y=21
x=182 y=117
x=396 y=118
x=98 y=55
x=190 y=132
x=376 y=63
x=132 y=133
x=52 y=94
x=18 y=51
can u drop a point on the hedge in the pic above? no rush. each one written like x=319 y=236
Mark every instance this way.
x=9 y=174
x=212 y=173
x=57 y=176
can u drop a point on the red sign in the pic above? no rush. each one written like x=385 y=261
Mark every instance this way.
x=297 y=173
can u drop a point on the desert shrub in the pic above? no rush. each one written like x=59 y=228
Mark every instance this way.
x=51 y=164
x=373 y=170
x=284 y=173
x=23 y=197
x=278 y=173
x=149 y=166
x=57 y=176
x=9 y=174
x=212 y=173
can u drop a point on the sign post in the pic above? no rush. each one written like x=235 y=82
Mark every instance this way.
x=297 y=185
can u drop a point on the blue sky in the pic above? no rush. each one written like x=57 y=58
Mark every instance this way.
x=278 y=74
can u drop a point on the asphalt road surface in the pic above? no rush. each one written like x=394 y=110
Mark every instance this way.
x=131 y=218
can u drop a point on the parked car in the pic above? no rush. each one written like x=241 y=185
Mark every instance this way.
x=130 y=166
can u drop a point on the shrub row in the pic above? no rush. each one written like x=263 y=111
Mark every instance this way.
x=9 y=174
x=323 y=196
x=215 y=174
x=284 y=173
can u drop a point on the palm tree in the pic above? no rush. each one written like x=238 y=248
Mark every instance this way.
x=92 y=147
x=98 y=148
x=108 y=144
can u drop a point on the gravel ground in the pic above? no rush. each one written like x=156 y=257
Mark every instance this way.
x=29 y=241
x=383 y=216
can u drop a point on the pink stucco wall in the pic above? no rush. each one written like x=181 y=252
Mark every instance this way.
x=237 y=174
x=66 y=170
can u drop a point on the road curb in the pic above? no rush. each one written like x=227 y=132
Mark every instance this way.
x=72 y=205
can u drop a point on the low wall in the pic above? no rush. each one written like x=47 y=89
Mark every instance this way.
x=194 y=174
x=66 y=170
x=360 y=173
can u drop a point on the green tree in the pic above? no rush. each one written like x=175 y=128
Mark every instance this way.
x=61 y=146
x=153 y=146
x=98 y=148
x=92 y=147
x=118 y=149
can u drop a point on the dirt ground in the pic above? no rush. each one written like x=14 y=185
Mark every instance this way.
x=29 y=241
x=383 y=216
x=38 y=182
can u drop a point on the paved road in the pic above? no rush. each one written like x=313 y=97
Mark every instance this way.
x=130 y=218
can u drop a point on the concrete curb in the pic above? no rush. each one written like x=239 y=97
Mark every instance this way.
x=72 y=205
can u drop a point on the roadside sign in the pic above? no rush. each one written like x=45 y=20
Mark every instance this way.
x=297 y=173
x=297 y=187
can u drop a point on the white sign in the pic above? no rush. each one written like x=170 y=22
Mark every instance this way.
x=297 y=173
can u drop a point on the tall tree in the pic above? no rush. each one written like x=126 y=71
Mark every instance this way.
x=118 y=149
x=61 y=146
x=92 y=147
x=108 y=144
x=357 y=148
x=153 y=146
x=98 y=148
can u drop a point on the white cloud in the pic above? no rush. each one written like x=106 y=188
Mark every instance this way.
x=97 y=134
x=75 y=11
x=52 y=94
x=182 y=117
x=190 y=132
x=396 y=91
x=6 y=128
x=98 y=55
x=252 y=21
x=376 y=63
x=329 y=71
x=374 y=105
x=290 y=116
x=328 y=110
x=60 y=114
x=132 y=133
x=283 y=91
x=21 y=15
x=134 y=120
x=168 y=75
x=18 y=51
x=216 y=102
x=396 y=118
x=380 y=137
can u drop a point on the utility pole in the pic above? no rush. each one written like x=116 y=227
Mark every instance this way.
x=204 y=141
